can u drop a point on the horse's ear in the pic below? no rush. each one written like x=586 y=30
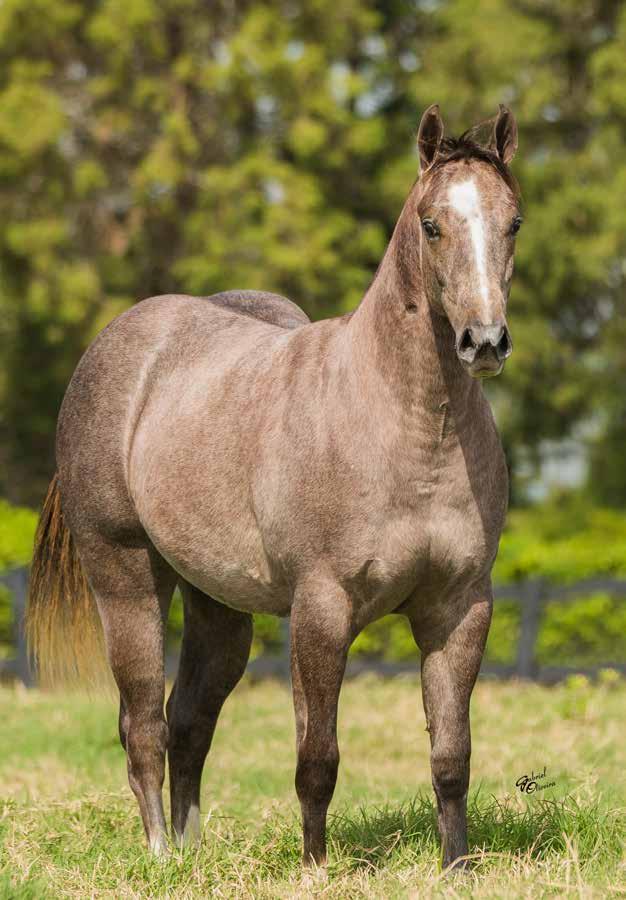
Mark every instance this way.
x=504 y=135
x=429 y=136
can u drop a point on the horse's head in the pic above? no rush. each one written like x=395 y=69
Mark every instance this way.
x=468 y=207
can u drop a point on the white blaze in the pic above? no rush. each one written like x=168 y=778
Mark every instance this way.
x=465 y=200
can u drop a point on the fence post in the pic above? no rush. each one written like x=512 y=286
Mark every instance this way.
x=532 y=606
x=17 y=582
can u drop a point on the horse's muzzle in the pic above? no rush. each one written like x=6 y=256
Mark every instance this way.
x=483 y=349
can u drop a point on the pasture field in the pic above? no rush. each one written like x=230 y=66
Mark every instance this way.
x=69 y=826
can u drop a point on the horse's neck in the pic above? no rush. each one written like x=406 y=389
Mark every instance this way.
x=405 y=360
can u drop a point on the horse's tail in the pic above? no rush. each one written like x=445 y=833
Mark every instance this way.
x=63 y=628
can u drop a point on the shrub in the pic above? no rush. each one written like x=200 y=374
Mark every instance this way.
x=17 y=532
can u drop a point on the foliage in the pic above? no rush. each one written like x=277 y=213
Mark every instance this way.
x=17 y=531
x=563 y=540
x=590 y=631
x=160 y=145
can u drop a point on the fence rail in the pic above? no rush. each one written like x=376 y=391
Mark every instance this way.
x=532 y=596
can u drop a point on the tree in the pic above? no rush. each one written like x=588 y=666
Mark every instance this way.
x=149 y=146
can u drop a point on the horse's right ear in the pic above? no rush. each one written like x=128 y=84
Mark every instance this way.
x=504 y=136
x=429 y=136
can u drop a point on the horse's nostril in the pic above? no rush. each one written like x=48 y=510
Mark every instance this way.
x=504 y=345
x=467 y=342
x=484 y=341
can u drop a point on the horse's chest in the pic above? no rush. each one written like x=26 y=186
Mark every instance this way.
x=433 y=550
x=459 y=545
x=450 y=544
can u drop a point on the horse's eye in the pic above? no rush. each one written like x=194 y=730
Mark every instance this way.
x=516 y=224
x=431 y=230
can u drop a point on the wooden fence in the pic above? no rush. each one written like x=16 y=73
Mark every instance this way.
x=532 y=596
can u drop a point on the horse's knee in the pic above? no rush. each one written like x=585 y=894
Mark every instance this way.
x=316 y=776
x=450 y=774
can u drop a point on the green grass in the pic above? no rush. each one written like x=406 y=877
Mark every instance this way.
x=69 y=826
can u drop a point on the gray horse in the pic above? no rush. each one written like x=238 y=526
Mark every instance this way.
x=334 y=471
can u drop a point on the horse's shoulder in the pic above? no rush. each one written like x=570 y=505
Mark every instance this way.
x=262 y=305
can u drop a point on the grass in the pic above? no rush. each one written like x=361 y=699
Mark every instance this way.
x=69 y=826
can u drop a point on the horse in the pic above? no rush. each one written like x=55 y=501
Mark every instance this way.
x=333 y=471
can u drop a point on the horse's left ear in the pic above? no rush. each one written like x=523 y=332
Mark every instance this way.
x=429 y=136
x=504 y=136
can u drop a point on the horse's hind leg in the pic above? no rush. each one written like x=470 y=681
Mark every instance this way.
x=214 y=653
x=133 y=587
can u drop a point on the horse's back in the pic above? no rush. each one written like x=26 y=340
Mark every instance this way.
x=267 y=307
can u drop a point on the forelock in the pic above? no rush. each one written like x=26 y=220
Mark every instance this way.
x=467 y=147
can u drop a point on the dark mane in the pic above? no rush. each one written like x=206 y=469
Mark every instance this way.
x=468 y=147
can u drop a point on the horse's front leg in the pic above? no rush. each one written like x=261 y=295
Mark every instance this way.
x=320 y=638
x=452 y=639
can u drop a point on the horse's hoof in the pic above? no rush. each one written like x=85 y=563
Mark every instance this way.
x=314 y=876
x=458 y=868
x=159 y=848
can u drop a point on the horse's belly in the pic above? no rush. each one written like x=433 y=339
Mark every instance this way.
x=241 y=580
x=242 y=588
x=212 y=541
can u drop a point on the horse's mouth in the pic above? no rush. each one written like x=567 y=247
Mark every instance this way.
x=484 y=367
x=486 y=373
